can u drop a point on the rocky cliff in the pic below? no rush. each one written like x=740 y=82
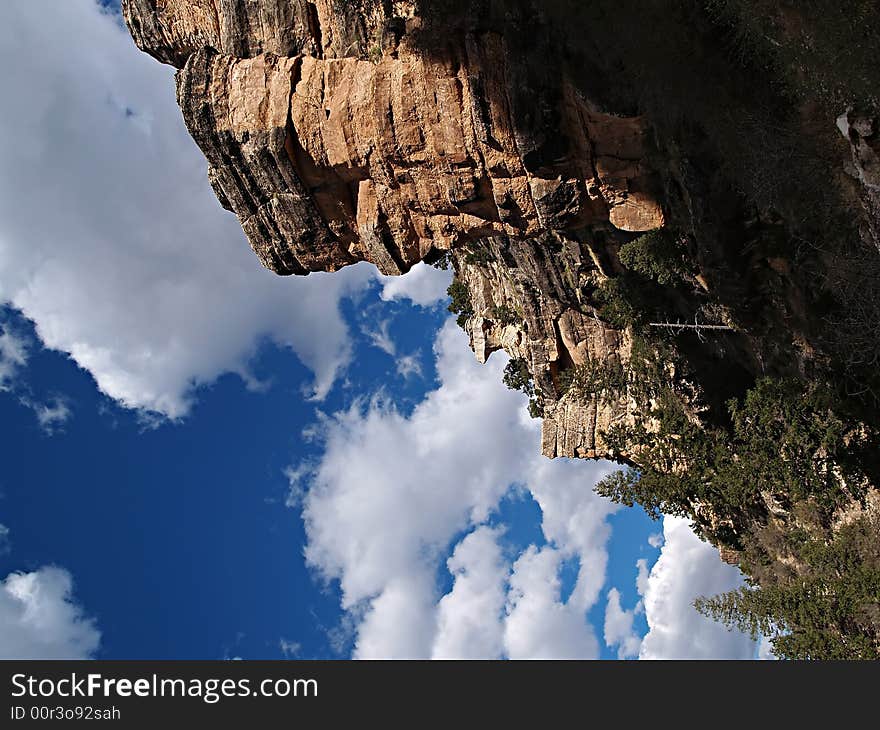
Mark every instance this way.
x=337 y=137
x=398 y=132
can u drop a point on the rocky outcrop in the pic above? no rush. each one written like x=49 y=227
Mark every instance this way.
x=335 y=137
x=863 y=134
x=336 y=140
x=358 y=131
x=172 y=30
x=529 y=298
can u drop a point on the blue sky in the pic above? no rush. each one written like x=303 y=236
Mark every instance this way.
x=178 y=534
x=202 y=460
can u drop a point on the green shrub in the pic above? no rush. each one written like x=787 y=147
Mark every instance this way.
x=461 y=302
x=518 y=377
x=595 y=378
x=478 y=255
x=656 y=255
x=616 y=305
x=785 y=440
x=505 y=314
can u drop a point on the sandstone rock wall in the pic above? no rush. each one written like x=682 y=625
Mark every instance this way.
x=528 y=299
x=335 y=139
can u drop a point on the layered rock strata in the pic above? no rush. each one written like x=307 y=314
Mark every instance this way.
x=335 y=140
x=528 y=298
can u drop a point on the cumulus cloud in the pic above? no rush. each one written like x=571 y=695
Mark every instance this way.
x=424 y=285
x=111 y=240
x=574 y=518
x=686 y=569
x=539 y=624
x=619 y=630
x=469 y=617
x=391 y=493
x=39 y=618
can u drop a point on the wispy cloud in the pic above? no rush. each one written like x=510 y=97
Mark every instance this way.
x=51 y=415
x=13 y=356
x=409 y=365
x=380 y=337
x=290 y=649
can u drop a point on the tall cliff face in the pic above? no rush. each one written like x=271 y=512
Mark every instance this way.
x=336 y=137
x=482 y=135
x=335 y=140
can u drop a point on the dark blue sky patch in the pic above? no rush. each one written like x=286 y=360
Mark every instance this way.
x=174 y=536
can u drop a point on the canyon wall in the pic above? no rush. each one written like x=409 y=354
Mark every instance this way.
x=341 y=132
x=335 y=137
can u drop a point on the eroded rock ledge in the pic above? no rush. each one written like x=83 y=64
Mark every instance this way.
x=335 y=139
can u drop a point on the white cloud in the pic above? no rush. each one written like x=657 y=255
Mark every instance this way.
x=469 y=623
x=687 y=569
x=51 y=415
x=656 y=540
x=5 y=542
x=40 y=620
x=574 y=519
x=391 y=493
x=13 y=357
x=297 y=479
x=399 y=623
x=539 y=625
x=424 y=285
x=111 y=240
x=409 y=365
x=643 y=576
x=290 y=649
x=380 y=337
x=619 y=630
x=446 y=465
